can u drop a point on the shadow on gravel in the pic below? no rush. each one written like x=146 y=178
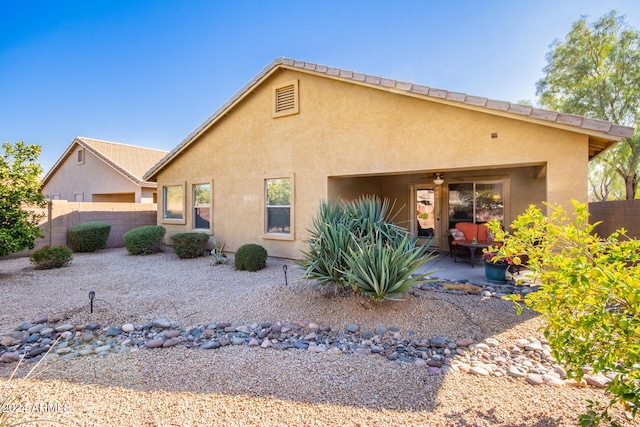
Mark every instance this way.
x=299 y=376
x=489 y=418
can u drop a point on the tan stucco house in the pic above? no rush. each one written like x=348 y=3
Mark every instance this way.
x=92 y=170
x=299 y=132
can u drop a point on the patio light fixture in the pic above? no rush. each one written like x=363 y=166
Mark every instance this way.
x=438 y=180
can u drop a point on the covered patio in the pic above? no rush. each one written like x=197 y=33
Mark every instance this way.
x=446 y=269
x=427 y=208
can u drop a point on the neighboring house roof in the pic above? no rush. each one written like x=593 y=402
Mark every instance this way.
x=130 y=161
x=602 y=134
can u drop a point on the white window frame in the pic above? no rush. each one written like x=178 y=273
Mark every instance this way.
x=194 y=206
x=279 y=236
x=165 y=187
x=80 y=156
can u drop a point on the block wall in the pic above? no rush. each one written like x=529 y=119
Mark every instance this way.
x=61 y=215
x=615 y=215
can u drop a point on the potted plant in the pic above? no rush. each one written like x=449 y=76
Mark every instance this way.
x=495 y=264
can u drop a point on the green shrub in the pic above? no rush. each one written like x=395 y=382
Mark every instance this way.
x=362 y=232
x=144 y=240
x=51 y=257
x=589 y=297
x=90 y=236
x=251 y=257
x=190 y=245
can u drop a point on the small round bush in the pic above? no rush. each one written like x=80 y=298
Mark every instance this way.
x=144 y=240
x=190 y=245
x=51 y=257
x=90 y=236
x=251 y=257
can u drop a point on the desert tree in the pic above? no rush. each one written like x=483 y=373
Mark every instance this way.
x=595 y=72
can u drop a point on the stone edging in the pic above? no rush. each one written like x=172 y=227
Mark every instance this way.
x=529 y=359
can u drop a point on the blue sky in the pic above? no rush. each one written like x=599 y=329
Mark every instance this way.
x=149 y=72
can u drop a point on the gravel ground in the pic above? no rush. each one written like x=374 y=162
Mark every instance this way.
x=242 y=386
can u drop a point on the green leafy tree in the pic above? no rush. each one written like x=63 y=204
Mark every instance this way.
x=589 y=297
x=278 y=192
x=19 y=190
x=203 y=194
x=595 y=72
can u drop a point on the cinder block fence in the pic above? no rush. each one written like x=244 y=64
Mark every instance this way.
x=61 y=215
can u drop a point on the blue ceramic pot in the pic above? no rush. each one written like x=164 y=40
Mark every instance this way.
x=496 y=272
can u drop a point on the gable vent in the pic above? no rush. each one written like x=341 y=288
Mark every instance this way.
x=285 y=99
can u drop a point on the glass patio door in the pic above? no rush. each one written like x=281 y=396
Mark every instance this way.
x=426 y=214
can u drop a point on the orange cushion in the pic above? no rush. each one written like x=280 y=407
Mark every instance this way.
x=482 y=232
x=469 y=229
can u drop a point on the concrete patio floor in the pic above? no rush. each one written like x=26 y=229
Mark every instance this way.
x=444 y=268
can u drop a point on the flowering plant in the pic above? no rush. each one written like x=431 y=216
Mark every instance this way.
x=492 y=255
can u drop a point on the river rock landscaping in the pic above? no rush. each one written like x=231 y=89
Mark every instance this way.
x=529 y=359
x=181 y=342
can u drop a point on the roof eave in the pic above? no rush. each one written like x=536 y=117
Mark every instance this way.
x=58 y=162
x=110 y=163
x=80 y=142
x=594 y=128
x=219 y=113
x=583 y=125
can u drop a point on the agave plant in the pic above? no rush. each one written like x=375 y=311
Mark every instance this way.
x=360 y=233
x=369 y=215
x=383 y=270
x=329 y=243
x=217 y=254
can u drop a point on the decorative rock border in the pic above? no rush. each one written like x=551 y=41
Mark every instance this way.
x=528 y=358
x=466 y=287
